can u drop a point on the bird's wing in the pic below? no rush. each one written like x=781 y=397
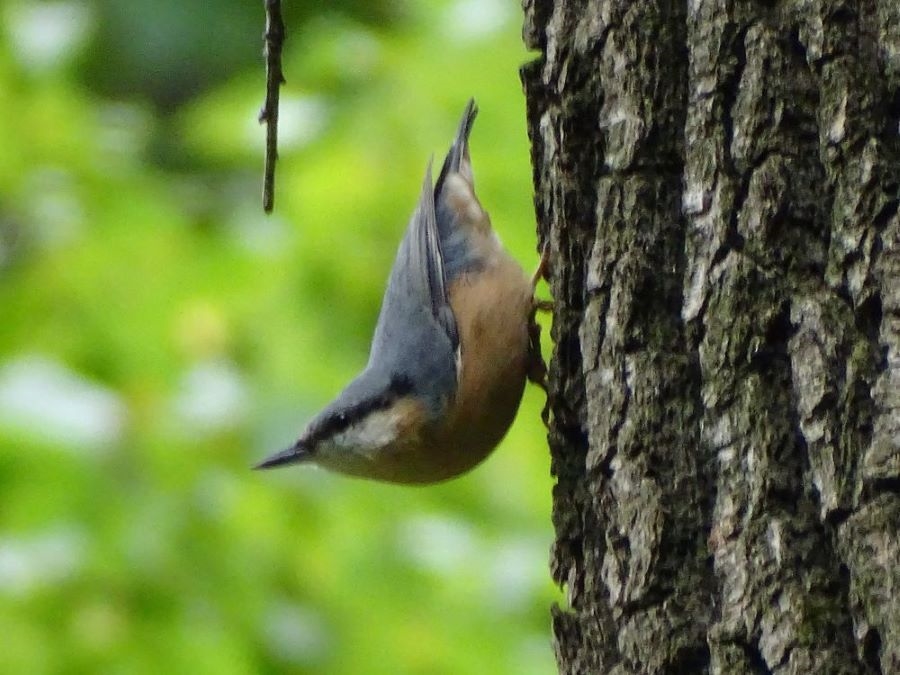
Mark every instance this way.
x=417 y=333
x=426 y=259
x=421 y=253
x=416 y=336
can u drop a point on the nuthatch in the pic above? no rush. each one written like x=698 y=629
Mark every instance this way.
x=452 y=348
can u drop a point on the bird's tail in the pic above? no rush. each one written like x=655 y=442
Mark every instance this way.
x=457 y=160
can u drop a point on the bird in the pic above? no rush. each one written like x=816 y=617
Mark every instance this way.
x=453 y=346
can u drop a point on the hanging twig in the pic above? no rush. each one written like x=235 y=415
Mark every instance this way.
x=274 y=40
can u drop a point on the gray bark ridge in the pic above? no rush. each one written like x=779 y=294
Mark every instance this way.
x=719 y=185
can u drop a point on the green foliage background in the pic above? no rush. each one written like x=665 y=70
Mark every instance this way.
x=159 y=334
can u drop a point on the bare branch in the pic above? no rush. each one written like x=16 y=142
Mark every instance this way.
x=274 y=42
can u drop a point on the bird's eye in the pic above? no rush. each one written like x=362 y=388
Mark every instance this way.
x=401 y=385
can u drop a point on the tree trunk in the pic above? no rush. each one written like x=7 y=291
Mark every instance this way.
x=719 y=185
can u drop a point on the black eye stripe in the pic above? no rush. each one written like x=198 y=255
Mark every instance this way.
x=399 y=387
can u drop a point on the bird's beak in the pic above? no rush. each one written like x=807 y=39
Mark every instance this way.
x=294 y=454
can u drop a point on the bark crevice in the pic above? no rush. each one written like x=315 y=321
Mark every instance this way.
x=718 y=184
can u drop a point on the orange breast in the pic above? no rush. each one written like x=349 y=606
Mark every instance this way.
x=492 y=309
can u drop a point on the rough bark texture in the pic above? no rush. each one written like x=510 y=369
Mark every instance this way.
x=719 y=183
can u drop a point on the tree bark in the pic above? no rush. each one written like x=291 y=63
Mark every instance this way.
x=719 y=184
